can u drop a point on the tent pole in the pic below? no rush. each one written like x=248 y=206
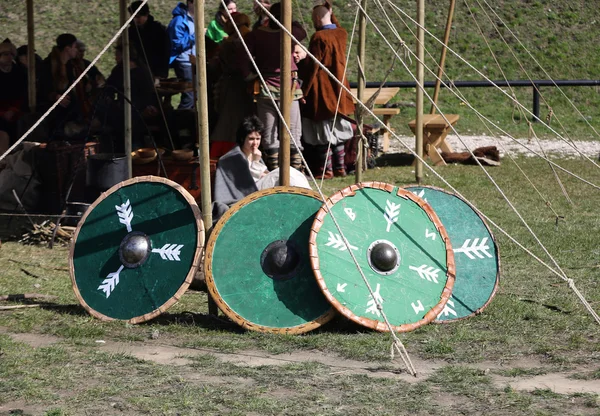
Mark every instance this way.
x=202 y=109
x=31 y=91
x=420 y=79
x=285 y=101
x=440 y=72
x=126 y=85
x=360 y=156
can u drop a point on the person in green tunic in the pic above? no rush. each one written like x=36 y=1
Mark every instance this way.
x=216 y=29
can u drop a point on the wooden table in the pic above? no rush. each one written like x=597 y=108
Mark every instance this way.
x=383 y=98
x=435 y=130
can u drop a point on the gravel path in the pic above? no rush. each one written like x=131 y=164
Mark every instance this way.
x=554 y=148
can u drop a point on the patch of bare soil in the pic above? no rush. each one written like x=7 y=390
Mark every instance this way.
x=164 y=354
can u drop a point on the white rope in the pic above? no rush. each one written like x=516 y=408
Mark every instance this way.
x=451 y=90
x=561 y=274
x=516 y=102
x=348 y=50
x=85 y=71
x=568 y=139
x=406 y=359
x=543 y=247
x=542 y=68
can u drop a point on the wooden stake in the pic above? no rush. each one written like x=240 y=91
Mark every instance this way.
x=440 y=72
x=126 y=85
x=202 y=108
x=285 y=102
x=420 y=81
x=360 y=155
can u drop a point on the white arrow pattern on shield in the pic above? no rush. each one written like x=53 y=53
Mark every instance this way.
x=335 y=241
x=111 y=281
x=474 y=249
x=169 y=252
x=342 y=287
x=392 y=211
x=426 y=273
x=125 y=214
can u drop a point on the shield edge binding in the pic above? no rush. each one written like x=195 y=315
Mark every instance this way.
x=210 y=283
x=366 y=322
x=496 y=251
x=193 y=269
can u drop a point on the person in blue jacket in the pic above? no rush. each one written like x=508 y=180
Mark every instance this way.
x=183 y=40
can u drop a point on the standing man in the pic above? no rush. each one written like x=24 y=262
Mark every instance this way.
x=321 y=94
x=183 y=41
x=151 y=40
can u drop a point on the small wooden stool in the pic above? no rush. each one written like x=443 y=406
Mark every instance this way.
x=387 y=114
x=435 y=130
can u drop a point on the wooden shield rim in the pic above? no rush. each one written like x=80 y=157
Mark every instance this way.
x=195 y=263
x=371 y=323
x=210 y=283
x=496 y=250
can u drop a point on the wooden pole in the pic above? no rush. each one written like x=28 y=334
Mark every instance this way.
x=361 y=90
x=126 y=85
x=420 y=81
x=285 y=102
x=440 y=72
x=202 y=108
x=31 y=57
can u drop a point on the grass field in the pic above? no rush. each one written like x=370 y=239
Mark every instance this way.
x=534 y=350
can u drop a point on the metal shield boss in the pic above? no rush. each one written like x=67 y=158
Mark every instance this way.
x=400 y=247
x=475 y=253
x=257 y=265
x=136 y=249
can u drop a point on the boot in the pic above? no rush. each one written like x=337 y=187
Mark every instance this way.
x=339 y=165
x=271 y=159
x=296 y=160
x=324 y=169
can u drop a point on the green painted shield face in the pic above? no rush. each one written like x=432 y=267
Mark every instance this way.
x=136 y=250
x=475 y=253
x=399 y=245
x=257 y=265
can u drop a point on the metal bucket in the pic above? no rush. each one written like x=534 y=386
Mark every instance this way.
x=105 y=170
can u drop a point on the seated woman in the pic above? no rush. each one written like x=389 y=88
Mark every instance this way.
x=241 y=171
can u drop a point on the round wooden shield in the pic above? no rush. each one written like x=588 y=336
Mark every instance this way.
x=257 y=266
x=475 y=253
x=401 y=247
x=136 y=249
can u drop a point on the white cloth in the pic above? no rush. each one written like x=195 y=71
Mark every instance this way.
x=272 y=180
x=257 y=169
x=322 y=132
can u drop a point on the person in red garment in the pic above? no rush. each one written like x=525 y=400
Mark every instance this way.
x=321 y=120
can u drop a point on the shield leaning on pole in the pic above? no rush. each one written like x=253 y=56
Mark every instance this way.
x=136 y=249
x=475 y=253
x=399 y=245
x=257 y=266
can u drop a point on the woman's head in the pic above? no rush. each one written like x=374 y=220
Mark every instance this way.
x=250 y=128
x=229 y=5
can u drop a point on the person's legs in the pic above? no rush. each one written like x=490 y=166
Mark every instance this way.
x=183 y=71
x=270 y=139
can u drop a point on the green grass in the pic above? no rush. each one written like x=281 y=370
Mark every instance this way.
x=534 y=317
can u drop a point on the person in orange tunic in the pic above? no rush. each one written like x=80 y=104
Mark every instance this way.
x=320 y=126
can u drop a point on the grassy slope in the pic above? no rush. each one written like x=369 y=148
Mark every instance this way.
x=560 y=35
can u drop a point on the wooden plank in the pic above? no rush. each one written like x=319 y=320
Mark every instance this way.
x=386 y=111
x=436 y=121
x=384 y=96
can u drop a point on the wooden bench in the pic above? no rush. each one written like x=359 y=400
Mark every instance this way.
x=383 y=98
x=435 y=130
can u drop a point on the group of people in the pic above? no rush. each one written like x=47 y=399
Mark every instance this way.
x=319 y=125
x=238 y=51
